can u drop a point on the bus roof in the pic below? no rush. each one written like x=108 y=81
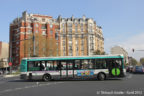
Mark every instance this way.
x=74 y=57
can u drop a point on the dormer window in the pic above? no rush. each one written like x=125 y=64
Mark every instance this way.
x=51 y=25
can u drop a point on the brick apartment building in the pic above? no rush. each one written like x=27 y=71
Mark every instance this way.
x=54 y=37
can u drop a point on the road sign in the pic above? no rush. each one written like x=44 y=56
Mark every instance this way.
x=10 y=63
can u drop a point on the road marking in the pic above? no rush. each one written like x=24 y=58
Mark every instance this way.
x=128 y=76
x=26 y=87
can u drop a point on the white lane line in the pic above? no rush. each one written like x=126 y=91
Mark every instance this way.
x=26 y=87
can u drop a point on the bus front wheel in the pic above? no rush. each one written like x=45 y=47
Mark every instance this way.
x=46 y=77
x=101 y=76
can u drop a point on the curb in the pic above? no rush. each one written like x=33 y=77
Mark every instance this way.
x=8 y=76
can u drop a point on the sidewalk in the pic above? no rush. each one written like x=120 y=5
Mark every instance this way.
x=11 y=75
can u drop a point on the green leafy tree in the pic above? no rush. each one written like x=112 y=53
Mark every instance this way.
x=134 y=62
x=142 y=61
x=98 y=52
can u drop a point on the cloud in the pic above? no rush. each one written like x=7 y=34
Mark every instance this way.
x=136 y=42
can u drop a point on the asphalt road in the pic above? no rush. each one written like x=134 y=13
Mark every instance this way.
x=132 y=85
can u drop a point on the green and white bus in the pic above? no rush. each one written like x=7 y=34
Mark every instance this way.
x=97 y=66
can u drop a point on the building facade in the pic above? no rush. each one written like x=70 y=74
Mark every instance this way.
x=4 y=54
x=120 y=50
x=41 y=35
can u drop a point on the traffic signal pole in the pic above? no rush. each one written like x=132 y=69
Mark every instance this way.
x=136 y=50
x=10 y=57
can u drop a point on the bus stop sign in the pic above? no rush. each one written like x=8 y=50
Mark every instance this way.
x=10 y=63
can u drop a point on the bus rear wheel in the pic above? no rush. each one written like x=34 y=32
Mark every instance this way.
x=46 y=77
x=101 y=76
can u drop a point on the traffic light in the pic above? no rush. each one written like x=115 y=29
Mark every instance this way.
x=133 y=50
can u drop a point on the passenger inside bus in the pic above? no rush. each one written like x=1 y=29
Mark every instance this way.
x=42 y=67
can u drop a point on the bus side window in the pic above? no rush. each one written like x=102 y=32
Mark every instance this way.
x=85 y=64
x=118 y=63
x=62 y=65
x=100 y=64
x=91 y=64
x=30 y=66
x=33 y=66
x=77 y=64
x=50 y=65
x=70 y=65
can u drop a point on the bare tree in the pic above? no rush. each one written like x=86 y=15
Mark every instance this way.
x=44 y=46
x=51 y=47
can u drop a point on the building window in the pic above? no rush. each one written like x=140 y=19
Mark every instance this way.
x=82 y=42
x=51 y=25
x=43 y=32
x=17 y=42
x=81 y=30
x=63 y=30
x=90 y=27
x=90 y=24
x=43 y=19
x=70 y=30
x=63 y=25
x=70 y=42
x=82 y=53
x=57 y=44
x=63 y=43
x=36 y=31
x=69 y=24
x=76 y=25
x=82 y=48
x=43 y=26
x=76 y=36
x=64 y=35
x=51 y=32
x=70 y=48
x=70 y=54
x=36 y=25
x=76 y=30
x=81 y=24
x=77 y=49
x=29 y=31
x=64 y=54
x=76 y=42
x=64 y=48
x=56 y=36
x=77 y=54
x=29 y=24
x=70 y=37
x=82 y=36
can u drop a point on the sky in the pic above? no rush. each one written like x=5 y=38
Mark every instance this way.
x=122 y=21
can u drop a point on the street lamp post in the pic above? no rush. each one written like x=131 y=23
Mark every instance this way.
x=10 y=58
x=34 y=44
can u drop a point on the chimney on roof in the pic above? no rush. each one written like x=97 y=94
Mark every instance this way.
x=84 y=17
x=24 y=14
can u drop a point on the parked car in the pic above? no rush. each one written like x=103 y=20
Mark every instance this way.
x=129 y=69
x=0 y=72
x=138 y=69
